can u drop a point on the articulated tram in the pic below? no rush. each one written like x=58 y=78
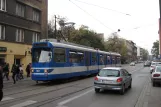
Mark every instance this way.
x=56 y=60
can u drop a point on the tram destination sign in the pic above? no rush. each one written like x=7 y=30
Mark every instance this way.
x=40 y=45
x=3 y=49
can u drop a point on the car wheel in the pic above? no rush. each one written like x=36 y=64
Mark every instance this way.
x=97 y=90
x=1 y=95
x=122 y=91
x=130 y=85
x=154 y=84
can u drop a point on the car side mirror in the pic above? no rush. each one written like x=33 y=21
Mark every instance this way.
x=49 y=54
x=129 y=74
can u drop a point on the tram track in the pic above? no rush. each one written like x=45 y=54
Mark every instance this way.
x=44 y=102
x=33 y=95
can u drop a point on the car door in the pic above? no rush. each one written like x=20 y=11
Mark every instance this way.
x=123 y=74
x=128 y=76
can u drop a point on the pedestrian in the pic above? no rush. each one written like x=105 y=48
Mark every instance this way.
x=21 y=72
x=28 y=69
x=17 y=73
x=6 y=71
x=1 y=82
x=14 y=73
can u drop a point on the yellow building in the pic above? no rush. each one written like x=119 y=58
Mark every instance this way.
x=15 y=53
x=22 y=22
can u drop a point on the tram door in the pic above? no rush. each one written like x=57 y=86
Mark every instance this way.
x=87 y=60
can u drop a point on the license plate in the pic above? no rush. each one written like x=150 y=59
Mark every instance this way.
x=107 y=82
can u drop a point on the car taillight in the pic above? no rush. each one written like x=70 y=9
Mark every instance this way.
x=156 y=75
x=119 y=80
x=96 y=78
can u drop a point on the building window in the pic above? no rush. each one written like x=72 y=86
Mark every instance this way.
x=36 y=15
x=19 y=35
x=20 y=10
x=2 y=32
x=3 y=5
x=35 y=37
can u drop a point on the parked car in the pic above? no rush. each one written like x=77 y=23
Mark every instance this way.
x=153 y=65
x=132 y=64
x=147 y=64
x=113 y=78
x=156 y=76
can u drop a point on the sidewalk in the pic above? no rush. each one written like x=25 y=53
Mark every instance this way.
x=150 y=96
x=153 y=97
x=11 y=80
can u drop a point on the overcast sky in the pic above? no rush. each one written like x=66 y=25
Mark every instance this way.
x=141 y=26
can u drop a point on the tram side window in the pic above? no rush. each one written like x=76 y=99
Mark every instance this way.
x=76 y=56
x=108 y=60
x=59 y=55
x=104 y=57
x=94 y=58
x=118 y=60
x=113 y=60
x=101 y=59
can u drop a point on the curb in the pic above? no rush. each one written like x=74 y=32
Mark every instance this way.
x=142 y=100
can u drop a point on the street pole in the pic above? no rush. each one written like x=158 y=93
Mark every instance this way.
x=55 y=28
x=160 y=28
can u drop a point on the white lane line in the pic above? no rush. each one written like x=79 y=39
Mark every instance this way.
x=73 y=98
x=7 y=98
x=26 y=103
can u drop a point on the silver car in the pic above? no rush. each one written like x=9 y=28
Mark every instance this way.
x=156 y=76
x=113 y=78
x=153 y=65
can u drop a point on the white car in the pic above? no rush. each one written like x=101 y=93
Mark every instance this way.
x=132 y=64
x=153 y=65
x=156 y=75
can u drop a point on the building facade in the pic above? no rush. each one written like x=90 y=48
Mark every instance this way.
x=22 y=22
x=140 y=53
x=131 y=50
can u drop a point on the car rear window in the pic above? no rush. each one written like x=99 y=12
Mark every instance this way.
x=109 y=73
x=158 y=69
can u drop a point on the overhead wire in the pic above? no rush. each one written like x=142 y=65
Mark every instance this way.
x=103 y=7
x=91 y=16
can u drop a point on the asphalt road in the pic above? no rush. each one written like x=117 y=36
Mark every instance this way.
x=74 y=93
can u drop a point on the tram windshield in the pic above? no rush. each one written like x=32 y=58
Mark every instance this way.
x=41 y=55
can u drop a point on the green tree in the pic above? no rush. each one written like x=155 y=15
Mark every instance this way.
x=86 y=37
x=155 y=49
x=116 y=44
x=145 y=54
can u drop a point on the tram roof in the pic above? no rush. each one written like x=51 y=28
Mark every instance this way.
x=63 y=45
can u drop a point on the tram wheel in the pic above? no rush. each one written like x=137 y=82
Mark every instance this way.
x=37 y=82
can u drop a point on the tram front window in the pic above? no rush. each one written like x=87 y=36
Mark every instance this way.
x=42 y=55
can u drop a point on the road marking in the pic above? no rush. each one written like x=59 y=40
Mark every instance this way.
x=145 y=104
x=7 y=98
x=26 y=103
x=135 y=70
x=73 y=98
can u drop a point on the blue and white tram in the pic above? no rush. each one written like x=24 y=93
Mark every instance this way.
x=55 y=60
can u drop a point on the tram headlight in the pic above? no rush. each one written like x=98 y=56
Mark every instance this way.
x=45 y=71
x=32 y=70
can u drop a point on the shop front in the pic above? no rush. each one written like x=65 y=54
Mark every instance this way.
x=15 y=53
